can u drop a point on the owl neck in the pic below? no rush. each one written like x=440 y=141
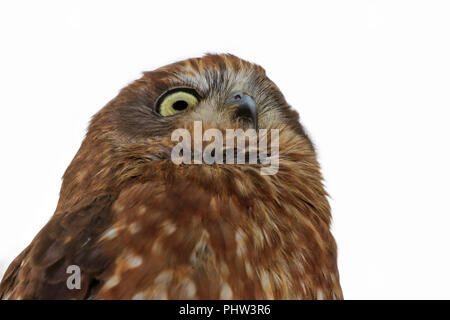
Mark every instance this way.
x=101 y=168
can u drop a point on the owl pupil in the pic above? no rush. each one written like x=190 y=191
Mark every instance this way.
x=180 y=105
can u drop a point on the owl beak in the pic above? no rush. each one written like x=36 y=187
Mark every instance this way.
x=246 y=107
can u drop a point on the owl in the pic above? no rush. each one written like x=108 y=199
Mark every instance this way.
x=133 y=223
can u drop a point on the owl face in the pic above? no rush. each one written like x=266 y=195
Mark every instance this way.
x=221 y=90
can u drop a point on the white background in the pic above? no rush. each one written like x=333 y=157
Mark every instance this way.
x=370 y=79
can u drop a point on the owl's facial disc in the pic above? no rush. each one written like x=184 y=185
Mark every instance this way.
x=239 y=106
x=222 y=91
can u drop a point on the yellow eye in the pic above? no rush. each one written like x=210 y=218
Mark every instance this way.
x=176 y=101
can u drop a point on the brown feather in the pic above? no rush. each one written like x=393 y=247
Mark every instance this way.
x=141 y=227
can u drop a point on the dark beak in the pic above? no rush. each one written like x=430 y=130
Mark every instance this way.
x=246 y=107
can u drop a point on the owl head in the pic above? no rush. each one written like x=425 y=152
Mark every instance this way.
x=218 y=89
x=130 y=138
